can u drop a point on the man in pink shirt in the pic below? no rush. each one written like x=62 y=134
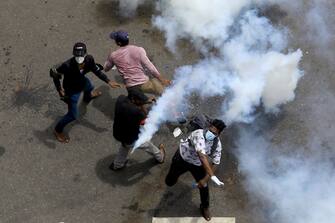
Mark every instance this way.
x=132 y=63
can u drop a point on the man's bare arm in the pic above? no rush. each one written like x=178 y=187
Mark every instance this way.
x=210 y=172
x=205 y=164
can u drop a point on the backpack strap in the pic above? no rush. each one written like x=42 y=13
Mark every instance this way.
x=215 y=142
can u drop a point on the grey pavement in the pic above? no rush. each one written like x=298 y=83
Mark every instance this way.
x=43 y=181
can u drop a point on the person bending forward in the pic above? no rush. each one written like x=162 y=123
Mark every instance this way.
x=130 y=114
x=193 y=156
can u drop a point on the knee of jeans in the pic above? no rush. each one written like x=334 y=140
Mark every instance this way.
x=73 y=115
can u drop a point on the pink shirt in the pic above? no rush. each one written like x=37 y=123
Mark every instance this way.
x=131 y=61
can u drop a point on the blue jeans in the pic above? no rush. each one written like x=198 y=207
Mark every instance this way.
x=72 y=102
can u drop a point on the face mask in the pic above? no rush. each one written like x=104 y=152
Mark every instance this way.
x=210 y=136
x=79 y=60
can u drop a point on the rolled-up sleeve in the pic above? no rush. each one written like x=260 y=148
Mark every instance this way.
x=198 y=141
x=148 y=64
x=109 y=63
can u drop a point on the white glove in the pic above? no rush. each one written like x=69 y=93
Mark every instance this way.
x=217 y=181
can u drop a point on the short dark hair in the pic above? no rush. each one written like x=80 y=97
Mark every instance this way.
x=219 y=124
x=123 y=43
x=137 y=94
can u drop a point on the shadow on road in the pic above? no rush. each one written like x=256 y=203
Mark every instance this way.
x=128 y=176
x=46 y=136
x=176 y=201
x=105 y=103
x=82 y=109
x=2 y=150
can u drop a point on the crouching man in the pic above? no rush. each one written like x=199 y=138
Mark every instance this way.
x=130 y=114
x=193 y=156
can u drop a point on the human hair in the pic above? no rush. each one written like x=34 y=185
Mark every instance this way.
x=137 y=95
x=219 y=124
x=122 y=42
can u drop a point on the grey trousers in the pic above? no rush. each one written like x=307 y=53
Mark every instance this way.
x=121 y=158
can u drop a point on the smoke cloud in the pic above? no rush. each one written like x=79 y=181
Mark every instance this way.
x=296 y=184
x=248 y=63
x=319 y=27
x=244 y=61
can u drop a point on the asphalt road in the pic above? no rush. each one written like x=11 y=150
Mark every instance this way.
x=45 y=181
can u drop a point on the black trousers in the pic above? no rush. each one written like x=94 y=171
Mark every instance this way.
x=179 y=167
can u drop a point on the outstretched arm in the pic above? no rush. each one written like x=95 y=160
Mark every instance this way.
x=57 y=76
x=151 y=67
x=210 y=172
x=97 y=69
x=104 y=77
x=205 y=164
x=205 y=180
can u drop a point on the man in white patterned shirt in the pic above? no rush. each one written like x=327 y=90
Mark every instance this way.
x=200 y=154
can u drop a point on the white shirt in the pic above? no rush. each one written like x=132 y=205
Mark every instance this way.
x=196 y=142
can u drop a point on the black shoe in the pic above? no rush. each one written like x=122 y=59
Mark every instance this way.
x=205 y=213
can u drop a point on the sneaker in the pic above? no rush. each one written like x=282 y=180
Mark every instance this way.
x=205 y=213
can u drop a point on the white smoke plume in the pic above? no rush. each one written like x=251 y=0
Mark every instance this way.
x=320 y=27
x=247 y=62
x=248 y=65
x=296 y=185
x=317 y=28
